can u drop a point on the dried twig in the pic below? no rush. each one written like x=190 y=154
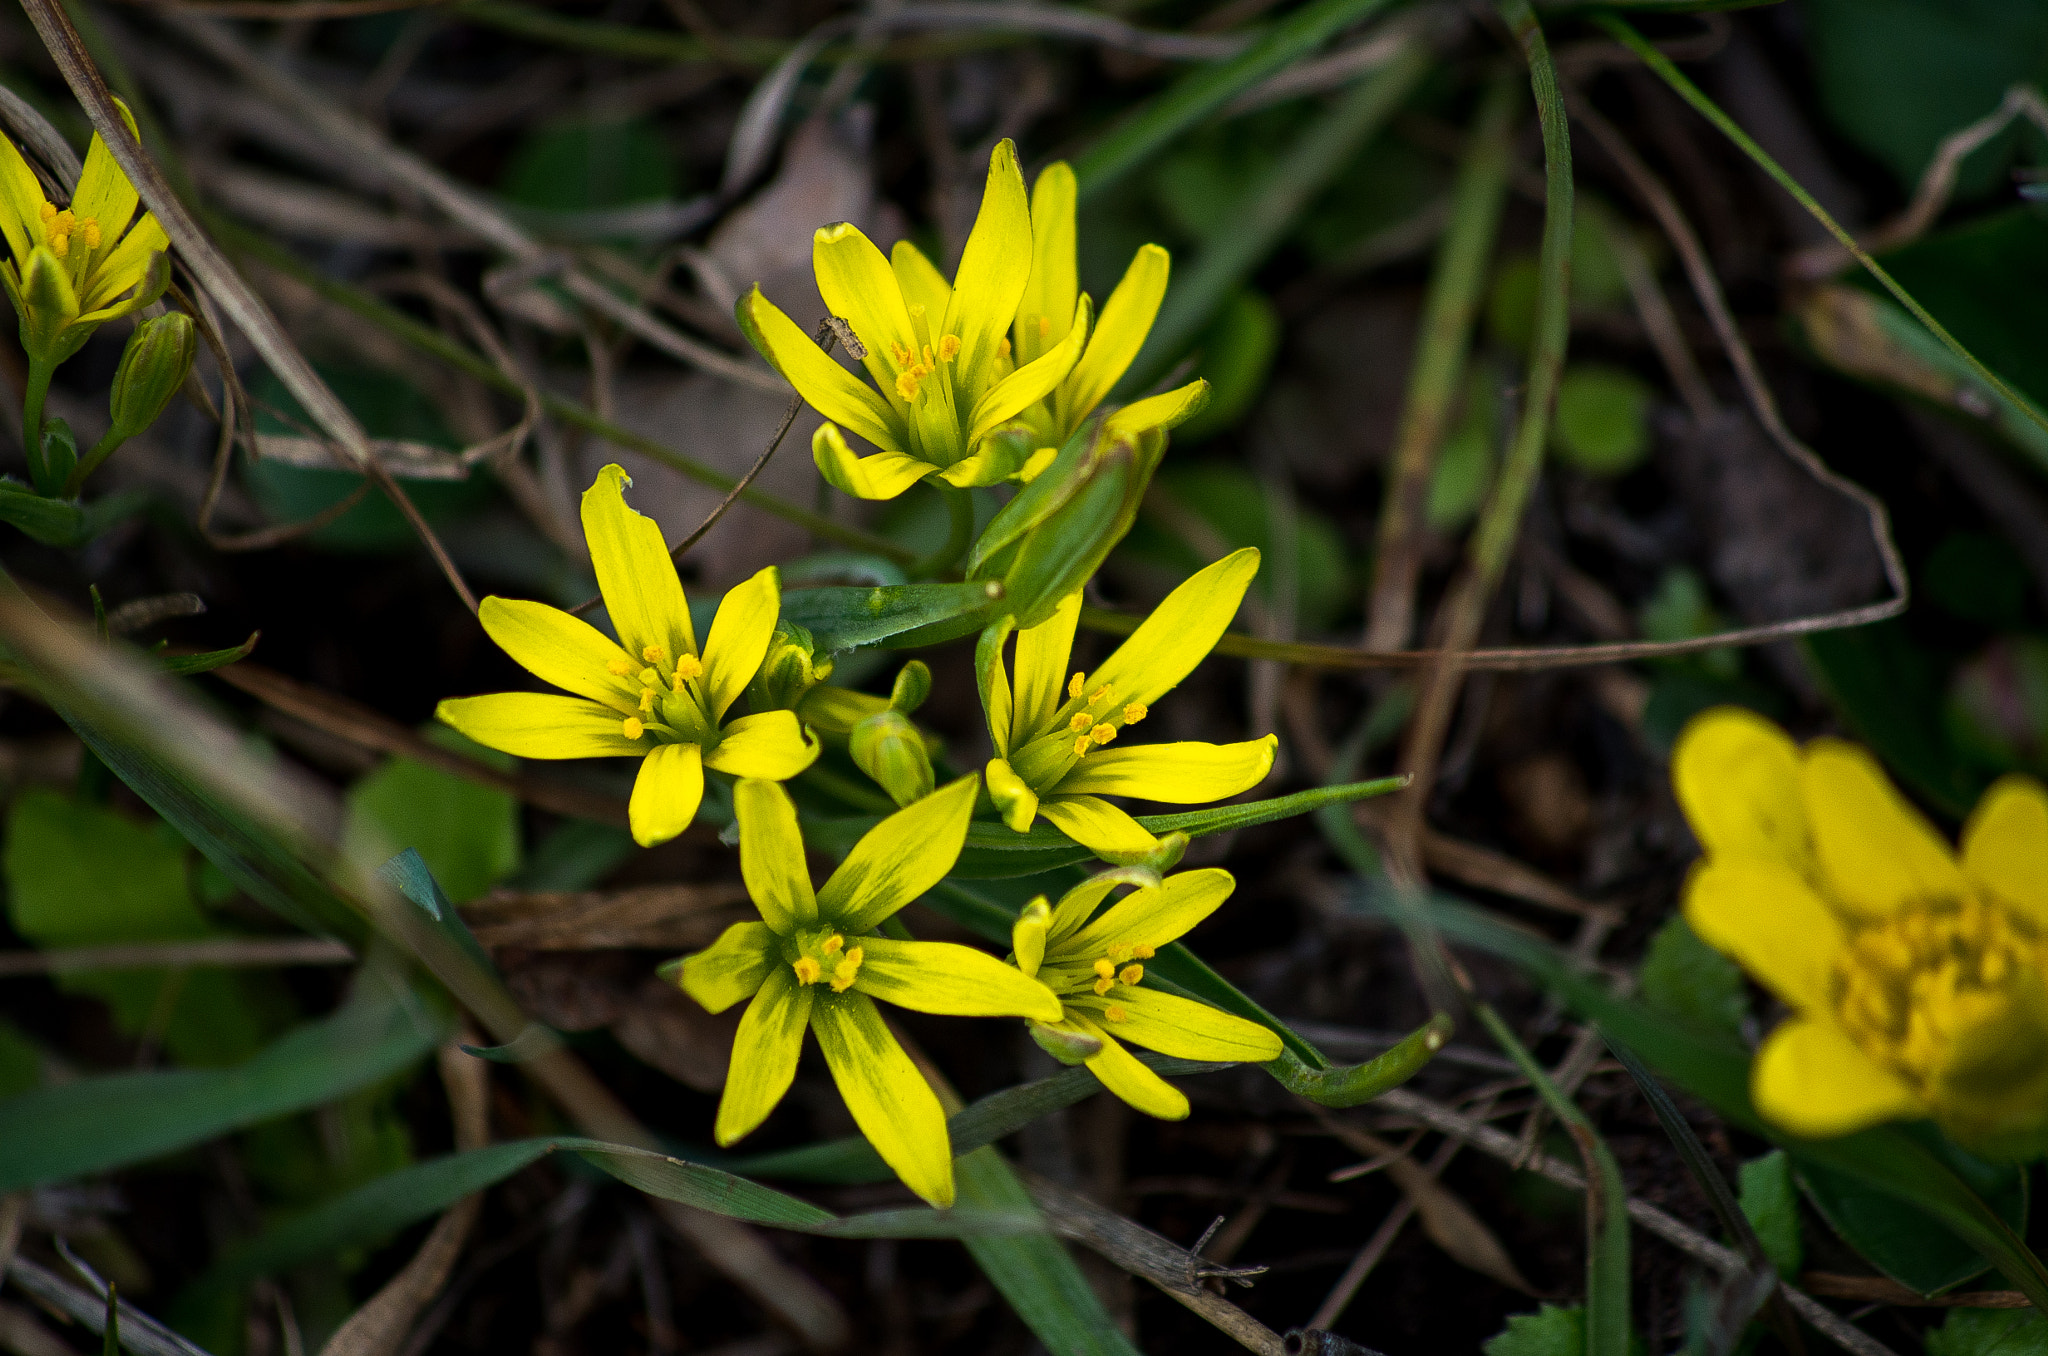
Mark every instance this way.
x=235 y=952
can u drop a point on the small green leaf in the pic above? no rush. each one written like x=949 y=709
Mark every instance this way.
x=185 y=665
x=1550 y=1331
x=1685 y=977
x=847 y=618
x=468 y=834
x=1990 y=1332
x=1770 y=1201
x=1896 y=1236
x=1602 y=419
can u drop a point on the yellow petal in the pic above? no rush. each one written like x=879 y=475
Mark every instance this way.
x=1165 y=411
x=831 y=390
x=772 y=855
x=560 y=649
x=994 y=683
x=1100 y=827
x=128 y=264
x=1737 y=779
x=900 y=858
x=1043 y=653
x=1028 y=385
x=1875 y=851
x=1119 y=1071
x=1046 y=313
x=992 y=463
x=21 y=203
x=732 y=967
x=921 y=283
x=1153 y=916
x=764 y=1054
x=859 y=287
x=993 y=271
x=1766 y=917
x=884 y=475
x=739 y=638
x=1014 y=799
x=1181 y=1027
x=951 y=980
x=1811 y=1079
x=1180 y=632
x=642 y=594
x=1126 y=320
x=890 y=1101
x=666 y=793
x=1178 y=774
x=105 y=196
x=541 y=725
x=1027 y=935
x=772 y=745
x=1078 y=905
x=2005 y=847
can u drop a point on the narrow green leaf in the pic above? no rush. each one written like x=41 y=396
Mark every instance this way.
x=1035 y=1273
x=185 y=665
x=97 y=1124
x=408 y=873
x=841 y=618
x=1354 y=1084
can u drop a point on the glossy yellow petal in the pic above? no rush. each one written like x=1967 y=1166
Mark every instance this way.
x=1028 y=385
x=921 y=283
x=772 y=745
x=1078 y=905
x=1737 y=779
x=1875 y=851
x=21 y=203
x=1046 y=313
x=1179 y=1026
x=900 y=858
x=1153 y=916
x=560 y=649
x=1100 y=827
x=1165 y=411
x=884 y=475
x=541 y=725
x=105 y=197
x=860 y=288
x=642 y=595
x=772 y=855
x=1119 y=1070
x=739 y=638
x=2005 y=847
x=1126 y=320
x=890 y=1101
x=1764 y=915
x=1179 y=774
x=830 y=389
x=1043 y=653
x=1180 y=632
x=128 y=263
x=951 y=980
x=666 y=793
x=731 y=968
x=1811 y=1079
x=1014 y=799
x=764 y=1054
x=994 y=682
x=994 y=268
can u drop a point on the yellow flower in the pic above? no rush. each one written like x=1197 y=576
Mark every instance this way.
x=652 y=695
x=815 y=961
x=937 y=352
x=71 y=264
x=1051 y=730
x=1051 y=298
x=1918 y=981
x=1098 y=970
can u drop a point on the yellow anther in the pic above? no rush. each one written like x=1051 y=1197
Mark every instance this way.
x=1102 y=734
x=49 y=210
x=1045 y=327
x=902 y=355
x=60 y=245
x=1101 y=694
x=688 y=666
x=1115 y=1013
x=1135 y=712
x=91 y=232
x=833 y=945
x=1074 y=686
x=844 y=973
x=1104 y=985
x=1081 y=746
x=1143 y=952
x=931 y=364
x=1105 y=967
x=654 y=654
x=633 y=728
x=906 y=383
x=949 y=348
x=1081 y=721
x=647 y=699
x=619 y=668
x=807 y=970
x=1131 y=974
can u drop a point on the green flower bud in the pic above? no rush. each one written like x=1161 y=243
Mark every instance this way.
x=153 y=369
x=1068 y=1047
x=913 y=685
x=1055 y=534
x=889 y=749
x=791 y=669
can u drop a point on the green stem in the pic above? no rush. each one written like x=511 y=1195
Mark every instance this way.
x=89 y=463
x=1711 y=111
x=39 y=374
x=959 y=533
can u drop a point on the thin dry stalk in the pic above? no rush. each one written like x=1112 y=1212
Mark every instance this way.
x=224 y=952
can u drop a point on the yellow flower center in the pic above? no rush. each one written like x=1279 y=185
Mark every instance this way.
x=668 y=707
x=825 y=955
x=59 y=227
x=1108 y=974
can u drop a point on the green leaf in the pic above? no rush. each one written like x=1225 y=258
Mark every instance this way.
x=206 y=661
x=1034 y=1272
x=1990 y=1332
x=1770 y=1202
x=1885 y=688
x=467 y=833
x=1602 y=419
x=846 y=618
x=97 y=1124
x=1894 y=1236
x=1685 y=977
x=1550 y=1331
x=408 y=872
x=1236 y=357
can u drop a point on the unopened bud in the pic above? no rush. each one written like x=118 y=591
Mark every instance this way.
x=1027 y=937
x=1068 y=1047
x=791 y=669
x=153 y=369
x=888 y=748
x=913 y=685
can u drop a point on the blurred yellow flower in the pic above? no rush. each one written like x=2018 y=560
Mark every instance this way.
x=1098 y=970
x=652 y=694
x=1917 y=977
